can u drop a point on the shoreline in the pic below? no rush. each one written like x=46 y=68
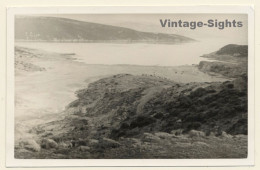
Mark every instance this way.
x=42 y=95
x=114 y=54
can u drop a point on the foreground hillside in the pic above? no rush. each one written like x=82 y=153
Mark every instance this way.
x=68 y=30
x=126 y=116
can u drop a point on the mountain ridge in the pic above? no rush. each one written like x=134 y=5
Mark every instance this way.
x=69 y=30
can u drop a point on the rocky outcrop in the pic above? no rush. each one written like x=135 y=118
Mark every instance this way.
x=230 y=70
x=230 y=61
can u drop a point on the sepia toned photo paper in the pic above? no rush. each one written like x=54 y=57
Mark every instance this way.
x=130 y=86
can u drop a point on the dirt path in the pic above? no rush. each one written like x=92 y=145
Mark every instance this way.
x=148 y=94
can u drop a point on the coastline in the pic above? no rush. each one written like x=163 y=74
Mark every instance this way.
x=64 y=72
x=45 y=98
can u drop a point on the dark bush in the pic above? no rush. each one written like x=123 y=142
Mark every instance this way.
x=124 y=126
x=199 y=92
x=159 y=115
x=133 y=132
x=142 y=121
x=230 y=86
x=240 y=127
x=192 y=126
x=82 y=143
x=185 y=101
x=211 y=91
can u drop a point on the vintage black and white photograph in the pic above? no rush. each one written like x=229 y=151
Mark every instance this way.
x=131 y=86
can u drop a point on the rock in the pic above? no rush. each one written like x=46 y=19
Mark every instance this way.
x=31 y=145
x=177 y=132
x=212 y=135
x=63 y=145
x=84 y=148
x=93 y=142
x=178 y=121
x=163 y=135
x=48 y=144
x=24 y=151
x=240 y=136
x=134 y=142
x=106 y=142
x=148 y=137
x=196 y=133
x=200 y=144
x=182 y=144
x=225 y=135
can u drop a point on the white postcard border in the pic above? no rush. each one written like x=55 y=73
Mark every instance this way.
x=12 y=11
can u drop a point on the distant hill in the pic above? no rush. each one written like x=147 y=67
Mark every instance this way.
x=231 y=61
x=231 y=53
x=234 y=50
x=61 y=29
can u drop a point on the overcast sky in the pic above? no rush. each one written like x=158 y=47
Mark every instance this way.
x=151 y=23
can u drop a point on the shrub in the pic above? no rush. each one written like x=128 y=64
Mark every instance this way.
x=230 y=86
x=192 y=125
x=198 y=93
x=142 y=121
x=185 y=101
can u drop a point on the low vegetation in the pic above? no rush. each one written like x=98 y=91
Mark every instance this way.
x=194 y=120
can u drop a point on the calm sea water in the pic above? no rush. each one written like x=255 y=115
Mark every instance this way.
x=135 y=54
